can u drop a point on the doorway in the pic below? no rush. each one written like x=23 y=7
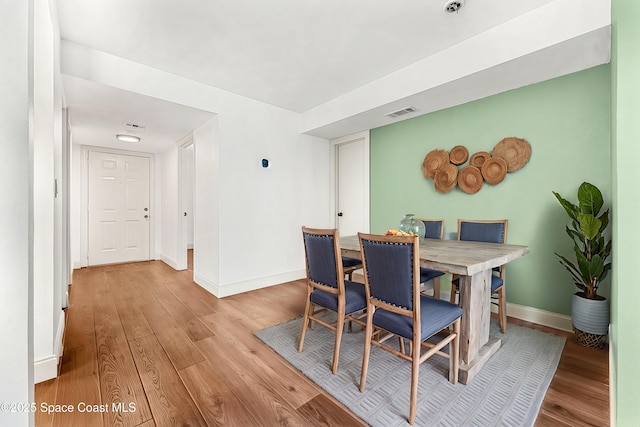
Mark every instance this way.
x=350 y=165
x=186 y=162
x=118 y=208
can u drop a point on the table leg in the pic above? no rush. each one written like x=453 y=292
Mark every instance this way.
x=476 y=347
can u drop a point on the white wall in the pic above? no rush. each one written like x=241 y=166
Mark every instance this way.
x=206 y=206
x=47 y=128
x=75 y=210
x=16 y=291
x=247 y=219
x=189 y=166
x=169 y=206
x=267 y=207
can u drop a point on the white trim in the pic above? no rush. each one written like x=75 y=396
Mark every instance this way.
x=169 y=261
x=46 y=367
x=248 y=285
x=333 y=182
x=84 y=199
x=181 y=250
x=206 y=284
x=530 y=314
x=541 y=317
x=186 y=141
x=613 y=417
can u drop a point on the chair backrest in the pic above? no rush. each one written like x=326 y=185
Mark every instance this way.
x=433 y=228
x=391 y=265
x=322 y=255
x=490 y=231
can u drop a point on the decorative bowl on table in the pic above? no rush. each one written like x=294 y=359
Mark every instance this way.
x=409 y=226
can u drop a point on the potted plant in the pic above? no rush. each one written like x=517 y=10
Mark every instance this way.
x=589 y=311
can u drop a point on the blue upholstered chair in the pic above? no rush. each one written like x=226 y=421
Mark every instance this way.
x=349 y=265
x=490 y=231
x=327 y=288
x=429 y=278
x=395 y=306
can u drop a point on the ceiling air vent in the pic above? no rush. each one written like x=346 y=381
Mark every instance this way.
x=134 y=126
x=402 y=112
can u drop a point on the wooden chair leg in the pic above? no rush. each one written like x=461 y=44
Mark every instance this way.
x=454 y=291
x=502 y=309
x=436 y=288
x=367 y=348
x=415 y=376
x=307 y=311
x=454 y=351
x=336 y=349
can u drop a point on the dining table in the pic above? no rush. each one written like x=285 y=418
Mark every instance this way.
x=473 y=262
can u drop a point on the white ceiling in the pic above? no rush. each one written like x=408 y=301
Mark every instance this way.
x=289 y=53
x=100 y=112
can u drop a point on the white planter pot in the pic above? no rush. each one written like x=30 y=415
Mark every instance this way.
x=589 y=315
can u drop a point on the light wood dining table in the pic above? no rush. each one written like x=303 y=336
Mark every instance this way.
x=473 y=262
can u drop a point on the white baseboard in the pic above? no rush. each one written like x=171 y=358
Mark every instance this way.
x=531 y=314
x=206 y=284
x=46 y=368
x=541 y=317
x=222 y=291
x=169 y=261
x=262 y=282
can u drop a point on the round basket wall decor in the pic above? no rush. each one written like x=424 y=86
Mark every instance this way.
x=433 y=161
x=447 y=168
x=445 y=178
x=470 y=179
x=479 y=158
x=515 y=151
x=494 y=170
x=458 y=155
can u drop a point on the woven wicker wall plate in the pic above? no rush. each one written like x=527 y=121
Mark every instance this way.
x=445 y=178
x=515 y=151
x=433 y=160
x=470 y=179
x=458 y=154
x=494 y=170
x=479 y=158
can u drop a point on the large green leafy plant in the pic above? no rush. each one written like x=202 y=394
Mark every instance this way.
x=591 y=247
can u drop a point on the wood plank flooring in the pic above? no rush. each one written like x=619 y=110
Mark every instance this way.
x=154 y=349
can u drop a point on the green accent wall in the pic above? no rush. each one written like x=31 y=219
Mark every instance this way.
x=567 y=122
x=625 y=298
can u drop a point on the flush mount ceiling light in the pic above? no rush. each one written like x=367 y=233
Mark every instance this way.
x=127 y=138
x=453 y=6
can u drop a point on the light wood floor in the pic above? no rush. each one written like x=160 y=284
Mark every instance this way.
x=147 y=337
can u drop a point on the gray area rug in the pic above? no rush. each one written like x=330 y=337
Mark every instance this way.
x=508 y=391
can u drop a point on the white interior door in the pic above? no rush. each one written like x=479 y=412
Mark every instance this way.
x=352 y=185
x=118 y=208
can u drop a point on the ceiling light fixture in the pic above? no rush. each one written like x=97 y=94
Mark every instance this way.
x=453 y=6
x=127 y=138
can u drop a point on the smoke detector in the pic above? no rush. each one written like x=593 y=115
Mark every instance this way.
x=453 y=6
